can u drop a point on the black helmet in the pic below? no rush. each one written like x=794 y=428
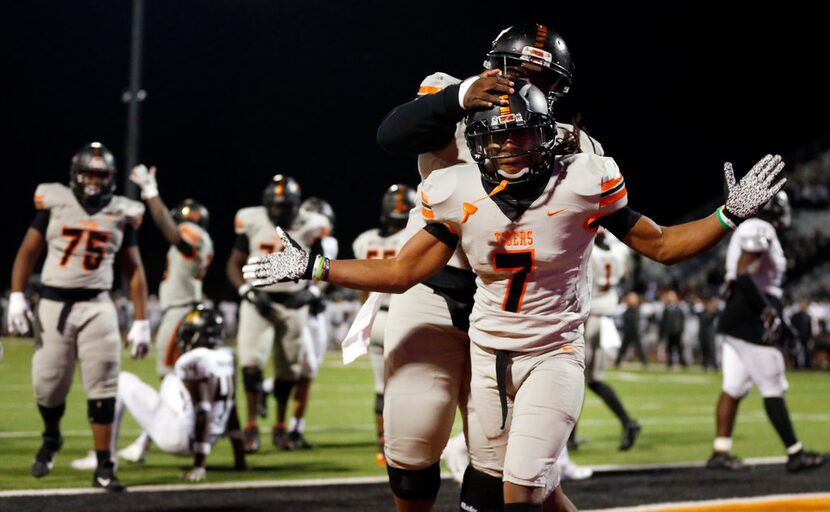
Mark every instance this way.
x=321 y=206
x=533 y=47
x=191 y=210
x=282 y=200
x=92 y=175
x=526 y=122
x=201 y=327
x=394 y=208
x=777 y=211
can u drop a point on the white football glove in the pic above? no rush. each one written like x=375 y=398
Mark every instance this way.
x=290 y=264
x=20 y=316
x=755 y=189
x=146 y=180
x=139 y=338
x=195 y=475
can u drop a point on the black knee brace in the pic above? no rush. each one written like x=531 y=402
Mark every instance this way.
x=101 y=411
x=415 y=484
x=282 y=390
x=481 y=492
x=378 y=403
x=50 y=414
x=252 y=379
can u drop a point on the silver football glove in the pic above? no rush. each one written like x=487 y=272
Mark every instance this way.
x=290 y=264
x=755 y=189
x=146 y=180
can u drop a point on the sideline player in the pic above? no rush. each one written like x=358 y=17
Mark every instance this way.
x=380 y=243
x=276 y=316
x=752 y=325
x=188 y=259
x=525 y=218
x=82 y=227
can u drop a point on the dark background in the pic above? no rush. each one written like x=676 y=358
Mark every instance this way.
x=240 y=89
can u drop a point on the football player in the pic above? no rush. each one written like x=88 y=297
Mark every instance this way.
x=525 y=218
x=190 y=254
x=275 y=316
x=82 y=227
x=196 y=404
x=380 y=243
x=752 y=327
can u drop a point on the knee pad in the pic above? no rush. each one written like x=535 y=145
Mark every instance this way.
x=482 y=492
x=51 y=414
x=252 y=379
x=379 y=403
x=282 y=389
x=101 y=411
x=415 y=484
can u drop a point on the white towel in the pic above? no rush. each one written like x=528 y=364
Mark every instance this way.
x=356 y=342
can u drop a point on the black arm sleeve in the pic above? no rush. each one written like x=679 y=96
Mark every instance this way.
x=130 y=236
x=41 y=221
x=443 y=234
x=424 y=124
x=185 y=248
x=620 y=222
x=241 y=243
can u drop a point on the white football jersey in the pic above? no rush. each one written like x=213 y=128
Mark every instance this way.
x=370 y=245
x=254 y=223
x=533 y=283
x=457 y=152
x=607 y=271
x=182 y=281
x=758 y=236
x=81 y=247
x=204 y=363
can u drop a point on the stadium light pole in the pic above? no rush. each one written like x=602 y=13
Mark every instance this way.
x=133 y=97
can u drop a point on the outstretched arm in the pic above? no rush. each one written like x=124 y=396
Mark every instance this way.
x=146 y=180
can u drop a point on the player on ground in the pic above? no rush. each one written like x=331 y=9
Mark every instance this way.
x=525 y=219
x=276 y=316
x=82 y=227
x=379 y=243
x=752 y=326
x=188 y=259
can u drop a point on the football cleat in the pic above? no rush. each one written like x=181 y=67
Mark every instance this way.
x=571 y=471
x=804 y=460
x=629 y=434
x=725 y=461
x=251 y=439
x=105 y=478
x=45 y=457
x=298 y=442
x=279 y=438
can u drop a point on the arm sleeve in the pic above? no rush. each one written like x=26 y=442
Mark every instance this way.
x=41 y=221
x=241 y=244
x=443 y=234
x=620 y=222
x=130 y=236
x=185 y=248
x=422 y=125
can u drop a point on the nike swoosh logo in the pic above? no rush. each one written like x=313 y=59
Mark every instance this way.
x=104 y=481
x=551 y=214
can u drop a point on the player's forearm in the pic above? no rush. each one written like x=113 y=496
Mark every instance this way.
x=138 y=292
x=24 y=261
x=200 y=438
x=422 y=125
x=672 y=244
x=164 y=221
x=233 y=270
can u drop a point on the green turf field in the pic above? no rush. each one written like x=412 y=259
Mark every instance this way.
x=676 y=410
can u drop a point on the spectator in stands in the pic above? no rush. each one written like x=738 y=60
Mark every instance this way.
x=671 y=329
x=631 y=330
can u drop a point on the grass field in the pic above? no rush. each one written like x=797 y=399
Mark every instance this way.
x=676 y=410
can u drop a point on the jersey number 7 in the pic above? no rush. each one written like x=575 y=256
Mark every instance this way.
x=521 y=263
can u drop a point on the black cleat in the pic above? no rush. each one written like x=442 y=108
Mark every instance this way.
x=629 y=435
x=298 y=442
x=105 y=478
x=280 y=438
x=45 y=457
x=725 y=461
x=251 y=439
x=803 y=460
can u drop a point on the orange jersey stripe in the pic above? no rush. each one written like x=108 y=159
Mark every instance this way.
x=605 y=201
x=428 y=89
x=608 y=185
x=427 y=213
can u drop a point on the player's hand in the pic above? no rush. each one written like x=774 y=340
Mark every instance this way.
x=485 y=91
x=139 y=338
x=146 y=181
x=20 y=316
x=291 y=264
x=754 y=190
x=196 y=474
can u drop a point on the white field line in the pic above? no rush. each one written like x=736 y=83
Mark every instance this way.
x=695 y=505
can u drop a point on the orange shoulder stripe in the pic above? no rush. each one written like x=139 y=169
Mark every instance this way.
x=608 y=185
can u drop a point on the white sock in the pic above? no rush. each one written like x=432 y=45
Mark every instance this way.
x=723 y=444
x=296 y=425
x=792 y=450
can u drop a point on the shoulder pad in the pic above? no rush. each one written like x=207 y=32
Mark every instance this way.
x=191 y=233
x=589 y=172
x=48 y=195
x=192 y=365
x=439 y=185
x=436 y=82
x=310 y=226
x=131 y=209
x=246 y=217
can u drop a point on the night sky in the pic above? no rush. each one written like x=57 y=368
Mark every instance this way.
x=239 y=90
